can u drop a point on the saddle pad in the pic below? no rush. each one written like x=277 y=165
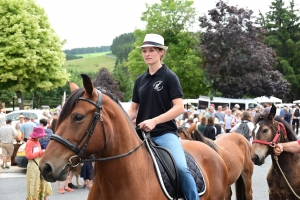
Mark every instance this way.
x=167 y=187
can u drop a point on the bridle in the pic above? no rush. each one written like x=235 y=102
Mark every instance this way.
x=275 y=139
x=88 y=133
x=272 y=144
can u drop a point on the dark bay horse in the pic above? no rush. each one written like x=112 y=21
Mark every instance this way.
x=235 y=150
x=93 y=122
x=283 y=176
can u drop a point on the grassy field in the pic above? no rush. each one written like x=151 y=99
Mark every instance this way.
x=91 y=62
x=90 y=55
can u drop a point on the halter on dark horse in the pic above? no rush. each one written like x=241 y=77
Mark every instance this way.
x=276 y=137
x=282 y=176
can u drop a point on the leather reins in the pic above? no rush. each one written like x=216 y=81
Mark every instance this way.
x=88 y=133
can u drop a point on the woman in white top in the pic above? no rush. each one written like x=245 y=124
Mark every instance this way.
x=237 y=119
x=245 y=117
x=228 y=118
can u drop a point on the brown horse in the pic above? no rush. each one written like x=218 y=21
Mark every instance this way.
x=235 y=150
x=283 y=176
x=124 y=169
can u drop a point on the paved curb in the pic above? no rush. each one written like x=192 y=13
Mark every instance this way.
x=13 y=169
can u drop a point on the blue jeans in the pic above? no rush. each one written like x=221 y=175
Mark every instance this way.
x=187 y=182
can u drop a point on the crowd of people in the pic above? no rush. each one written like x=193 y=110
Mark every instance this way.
x=36 y=136
x=216 y=121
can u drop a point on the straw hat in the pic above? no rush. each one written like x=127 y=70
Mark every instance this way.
x=38 y=132
x=154 y=40
x=21 y=116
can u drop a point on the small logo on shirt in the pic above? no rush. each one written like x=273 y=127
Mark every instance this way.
x=158 y=86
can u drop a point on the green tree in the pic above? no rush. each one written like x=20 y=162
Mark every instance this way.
x=237 y=62
x=31 y=55
x=172 y=19
x=121 y=47
x=283 y=35
x=121 y=75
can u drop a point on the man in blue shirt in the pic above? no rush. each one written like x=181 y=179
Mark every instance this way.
x=27 y=128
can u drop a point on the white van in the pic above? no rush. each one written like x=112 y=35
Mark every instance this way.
x=204 y=102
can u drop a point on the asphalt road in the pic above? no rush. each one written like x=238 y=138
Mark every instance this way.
x=13 y=186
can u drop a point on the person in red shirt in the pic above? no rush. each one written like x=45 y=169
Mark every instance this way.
x=37 y=187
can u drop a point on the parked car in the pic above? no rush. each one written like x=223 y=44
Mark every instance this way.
x=20 y=158
x=36 y=114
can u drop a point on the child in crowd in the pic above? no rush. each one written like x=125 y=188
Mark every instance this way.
x=87 y=173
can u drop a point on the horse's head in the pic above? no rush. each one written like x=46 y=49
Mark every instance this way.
x=186 y=133
x=268 y=130
x=88 y=124
x=183 y=133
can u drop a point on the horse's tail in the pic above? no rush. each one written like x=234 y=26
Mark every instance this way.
x=198 y=136
x=240 y=189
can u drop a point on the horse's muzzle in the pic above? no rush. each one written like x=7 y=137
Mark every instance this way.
x=256 y=160
x=49 y=174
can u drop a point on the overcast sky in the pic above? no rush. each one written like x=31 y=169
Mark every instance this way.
x=89 y=23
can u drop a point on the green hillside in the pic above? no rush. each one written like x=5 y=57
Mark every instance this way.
x=91 y=62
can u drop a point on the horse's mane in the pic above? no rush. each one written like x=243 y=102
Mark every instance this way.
x=53 y=124
x=72 y=101
x=110 y=95
x=198 y=136
x=69 y=104
x=290 y=133
x=184 y=130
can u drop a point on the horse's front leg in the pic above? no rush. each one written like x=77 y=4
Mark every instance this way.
x=228 y=193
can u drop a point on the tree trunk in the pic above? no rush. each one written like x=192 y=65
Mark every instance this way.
x=20 y=100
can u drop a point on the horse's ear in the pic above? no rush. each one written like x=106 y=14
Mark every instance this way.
x=73 y=86
x=87 y=84
x=192 y=128
x=272 y=112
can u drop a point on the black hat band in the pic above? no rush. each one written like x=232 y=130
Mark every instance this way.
x=152 y=43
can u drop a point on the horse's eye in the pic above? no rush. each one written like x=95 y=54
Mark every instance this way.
x=78 y=118
x=265 y=130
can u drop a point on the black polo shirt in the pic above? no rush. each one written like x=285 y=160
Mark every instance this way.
x=154 y=94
